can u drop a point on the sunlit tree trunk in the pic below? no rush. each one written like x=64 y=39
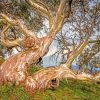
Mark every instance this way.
x=14 y=69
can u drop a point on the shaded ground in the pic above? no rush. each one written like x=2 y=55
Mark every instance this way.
x=68 y=90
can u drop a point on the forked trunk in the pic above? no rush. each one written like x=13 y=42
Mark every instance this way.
x=14 y=69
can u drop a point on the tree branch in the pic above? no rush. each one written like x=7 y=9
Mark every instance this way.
x=8 y=43
x=95 y=41
x=76 y=52
x=43 y=9
x=58 y=23
x=58 y=20
x=19 y=24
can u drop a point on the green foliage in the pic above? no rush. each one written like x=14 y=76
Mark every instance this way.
x=13 y=93
x=71 y=90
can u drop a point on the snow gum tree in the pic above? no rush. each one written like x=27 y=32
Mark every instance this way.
x=14 y=69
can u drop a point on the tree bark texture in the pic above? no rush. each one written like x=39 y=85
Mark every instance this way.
x=14 y=69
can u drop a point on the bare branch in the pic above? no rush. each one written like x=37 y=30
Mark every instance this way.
x=10 y=44
x=85 y=76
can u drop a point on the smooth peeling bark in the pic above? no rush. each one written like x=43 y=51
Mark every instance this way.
x=50 y=77
x=47 y=78
x=14 y=69
x=77 y=51
x=16 y=73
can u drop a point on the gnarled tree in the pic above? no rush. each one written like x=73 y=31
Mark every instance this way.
x=14 y=69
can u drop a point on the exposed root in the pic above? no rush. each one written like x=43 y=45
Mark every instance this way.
x=47 y=78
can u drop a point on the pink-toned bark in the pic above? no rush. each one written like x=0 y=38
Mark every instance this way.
x=14 y=69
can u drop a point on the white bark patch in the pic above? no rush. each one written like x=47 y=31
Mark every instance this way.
x=30 y=82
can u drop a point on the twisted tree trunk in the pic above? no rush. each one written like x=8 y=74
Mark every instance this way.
x=47 y=78
x=14 y=69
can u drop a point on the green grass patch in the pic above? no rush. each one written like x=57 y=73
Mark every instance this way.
x=32 y=69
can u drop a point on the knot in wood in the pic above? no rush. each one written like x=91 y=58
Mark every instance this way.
x=28 y=42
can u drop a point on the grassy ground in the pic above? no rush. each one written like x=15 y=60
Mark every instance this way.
x=68 y=90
